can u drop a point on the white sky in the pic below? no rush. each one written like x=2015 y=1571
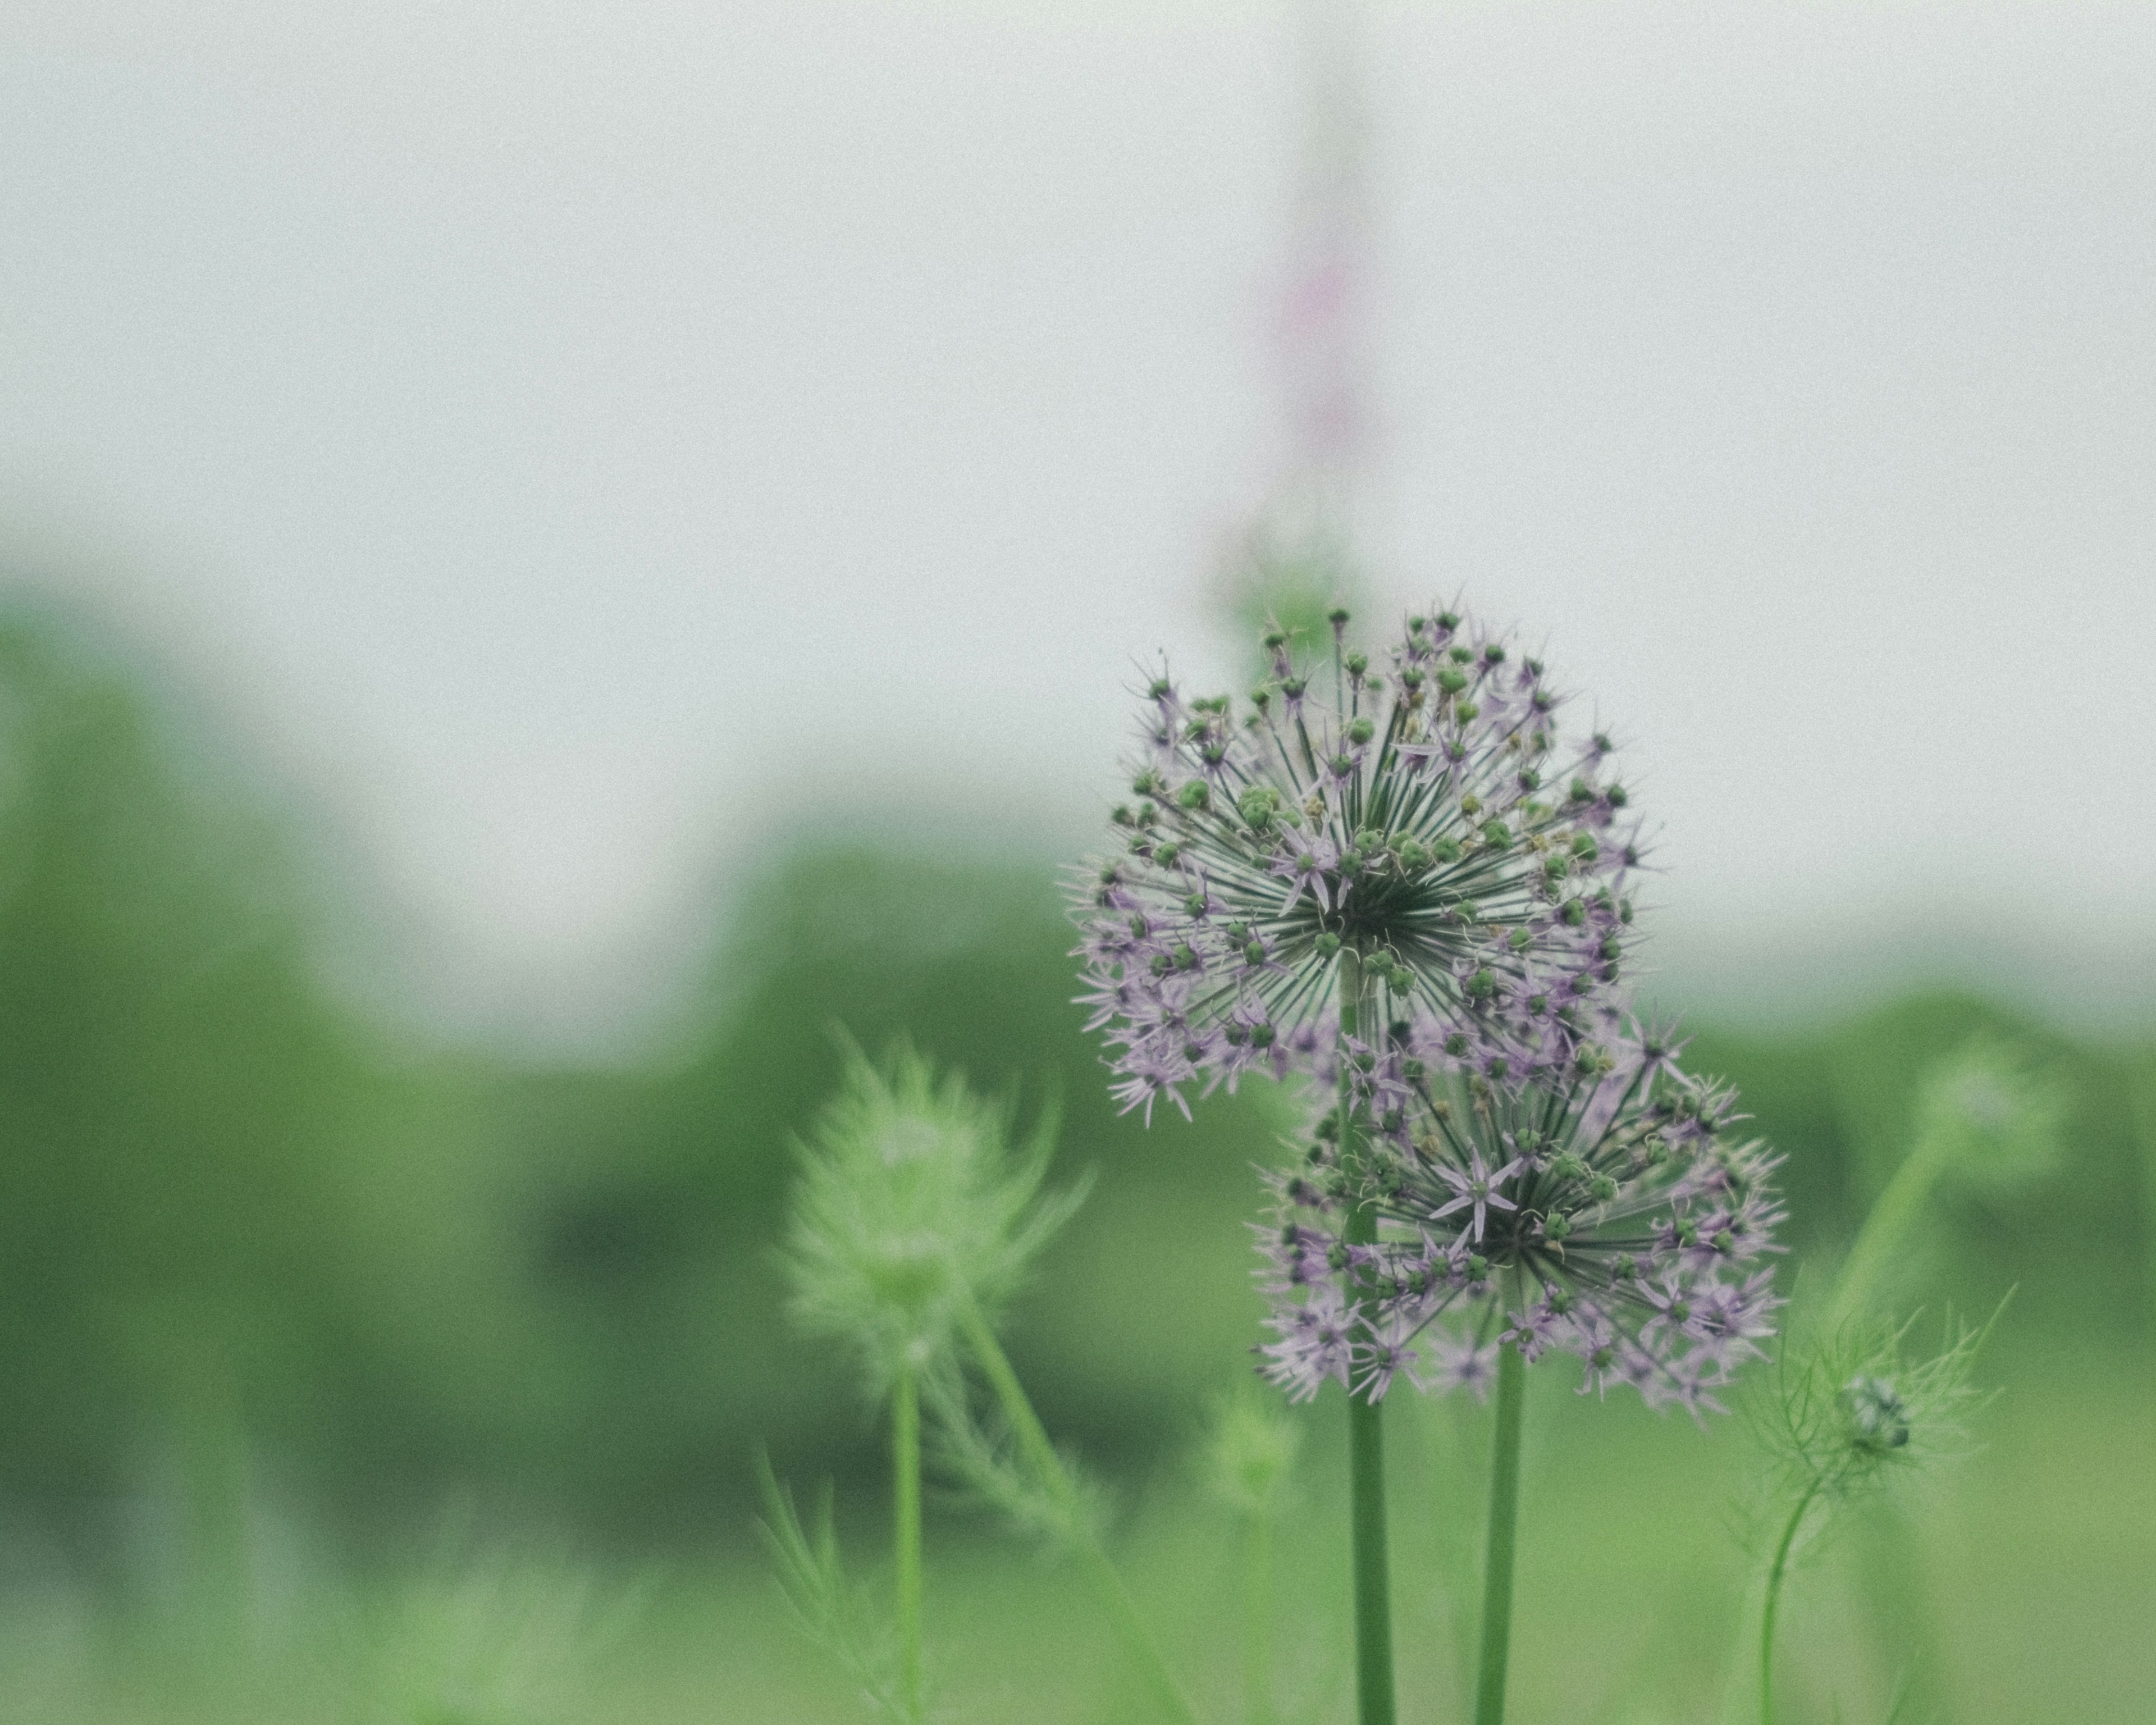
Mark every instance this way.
x=574 y=439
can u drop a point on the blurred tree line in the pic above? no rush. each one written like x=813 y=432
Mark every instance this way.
x=236 y=1220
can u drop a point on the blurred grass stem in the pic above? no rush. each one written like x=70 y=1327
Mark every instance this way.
x=1886 y=1226
x=1366 y=1436
x=906 y=1501
x=1033 y=1442
x=1258 y=1707
x=1504 y=1527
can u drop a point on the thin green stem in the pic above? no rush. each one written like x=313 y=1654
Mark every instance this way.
x=1504 y=1527
x=1258 y=1619
x=1033 y=1442
x=1366 y=1435
x=1773 y=1603
x=906 y=1506
x=1885 y=1227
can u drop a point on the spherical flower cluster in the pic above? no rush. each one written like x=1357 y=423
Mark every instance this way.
x=1597 y=1205
x=1422 y=826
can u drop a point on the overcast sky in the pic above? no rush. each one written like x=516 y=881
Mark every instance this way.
x=574 y=439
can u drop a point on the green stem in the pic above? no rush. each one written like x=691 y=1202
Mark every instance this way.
x=1885 y=1227
x=1258 y=1619
x=1773 y=1601
x=1504 y=1526
x=906 y=1499
x=1054 y=1478
x=1366 y=1436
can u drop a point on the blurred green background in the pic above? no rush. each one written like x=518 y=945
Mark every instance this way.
x=343 y=1375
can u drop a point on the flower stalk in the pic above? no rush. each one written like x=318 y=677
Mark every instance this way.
x=1366 y=1436
x=906 y=1503
x=1771 y=1607
x=1504 y=1528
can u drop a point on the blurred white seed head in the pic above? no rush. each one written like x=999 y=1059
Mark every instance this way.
x=911 y=1204
x=1250 y=1446
x=1986 y=1113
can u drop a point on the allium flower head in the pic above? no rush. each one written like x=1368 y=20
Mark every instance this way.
x=1422 y=819
x=909 y=1205
x=1601 y=1207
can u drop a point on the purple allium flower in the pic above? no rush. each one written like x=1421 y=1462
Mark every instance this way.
x=1427 y=820
x=1590 y=1200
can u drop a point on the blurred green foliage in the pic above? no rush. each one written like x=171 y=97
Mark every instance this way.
x=229 y=1204
x=258 y=1250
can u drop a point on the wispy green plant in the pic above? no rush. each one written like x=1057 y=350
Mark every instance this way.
x=912 y=1218
x=828 y=1606
x=912 y=1209
x=1008 y=1460
x=1847 y=1417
